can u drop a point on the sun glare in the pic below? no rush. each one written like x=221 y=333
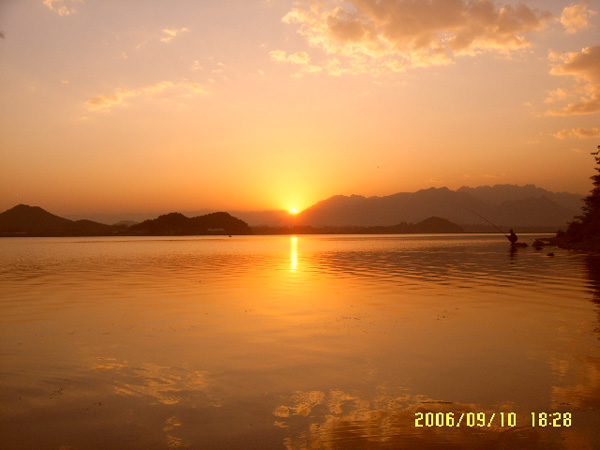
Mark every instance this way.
x=293 y=210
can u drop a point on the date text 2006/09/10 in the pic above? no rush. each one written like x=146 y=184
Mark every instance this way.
x=483 y=419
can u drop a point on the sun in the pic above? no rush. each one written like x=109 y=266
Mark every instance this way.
x=293 y=210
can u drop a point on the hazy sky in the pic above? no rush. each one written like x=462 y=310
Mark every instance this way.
x=156 y=105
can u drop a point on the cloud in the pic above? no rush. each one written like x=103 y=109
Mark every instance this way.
x=298 y=58
x=62 y=7
x=106 y=102
x=556 y=95
x=120 y=96
x=576 y=17
x=393 y=35
x=171 y=33
x=196 y=66
x=581 y=133
x=584 y=67
x=294 y=58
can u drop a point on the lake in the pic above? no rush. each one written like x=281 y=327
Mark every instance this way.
x=293 y=343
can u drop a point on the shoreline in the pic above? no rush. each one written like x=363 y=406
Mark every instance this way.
x=591 y=245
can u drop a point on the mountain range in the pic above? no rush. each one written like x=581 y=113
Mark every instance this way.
x=24 y=220
x=485 y=208
x=503 y=205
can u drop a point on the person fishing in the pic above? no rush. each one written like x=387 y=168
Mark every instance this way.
x=512 y=237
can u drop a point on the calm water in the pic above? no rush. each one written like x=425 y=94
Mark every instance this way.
x=320 y=342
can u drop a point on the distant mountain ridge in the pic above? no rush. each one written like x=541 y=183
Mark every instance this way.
x=500 y=193
x=506 y=205
x=24 y=220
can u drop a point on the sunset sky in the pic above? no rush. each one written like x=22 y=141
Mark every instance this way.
x=147 y=105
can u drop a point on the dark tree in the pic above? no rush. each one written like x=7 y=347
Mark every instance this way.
x=587 y=225
x=591 y=209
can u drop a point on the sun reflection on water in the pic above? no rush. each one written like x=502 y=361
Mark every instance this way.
x=293 y=253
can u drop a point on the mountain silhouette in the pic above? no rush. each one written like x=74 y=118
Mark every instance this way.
x=509 y=192
x=505 y=205
x=176 y=224
x=24 y=220
x=429 y=225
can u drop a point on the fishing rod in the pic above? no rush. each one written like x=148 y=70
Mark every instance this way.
x=479 y=215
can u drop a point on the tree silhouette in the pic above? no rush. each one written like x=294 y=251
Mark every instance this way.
x=592 y=202
x=587 y=225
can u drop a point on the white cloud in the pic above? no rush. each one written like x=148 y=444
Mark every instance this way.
x=299 y=58
x=576 y=17
x=294 y=58
x=107 y=101
x=580 y=133
x=62 y=7
x=171 y=33
x=556 y=95
x=584 y=68
x=392 y=35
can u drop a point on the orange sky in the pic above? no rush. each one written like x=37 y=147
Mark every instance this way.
x=139 y=106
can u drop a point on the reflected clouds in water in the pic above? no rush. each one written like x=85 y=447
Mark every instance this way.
x=337 y=420
x=161 y=384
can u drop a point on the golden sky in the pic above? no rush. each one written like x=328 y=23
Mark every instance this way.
x=148 y=105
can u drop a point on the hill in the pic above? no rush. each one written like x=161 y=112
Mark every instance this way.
x=176 y=224
x=24 y=220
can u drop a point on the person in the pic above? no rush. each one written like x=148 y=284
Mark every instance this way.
x=512 y=237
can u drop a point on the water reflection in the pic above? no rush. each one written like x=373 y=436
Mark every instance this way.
x=161 y=384
x=293 y=253
x=592 y=262
x=452 y=263
x=338 y=420
x=208 y=343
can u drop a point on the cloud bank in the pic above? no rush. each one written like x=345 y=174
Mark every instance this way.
x=584 y=68
x=581 y=133
x=394 y=35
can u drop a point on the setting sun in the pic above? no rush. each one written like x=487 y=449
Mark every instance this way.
x=293 y=210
